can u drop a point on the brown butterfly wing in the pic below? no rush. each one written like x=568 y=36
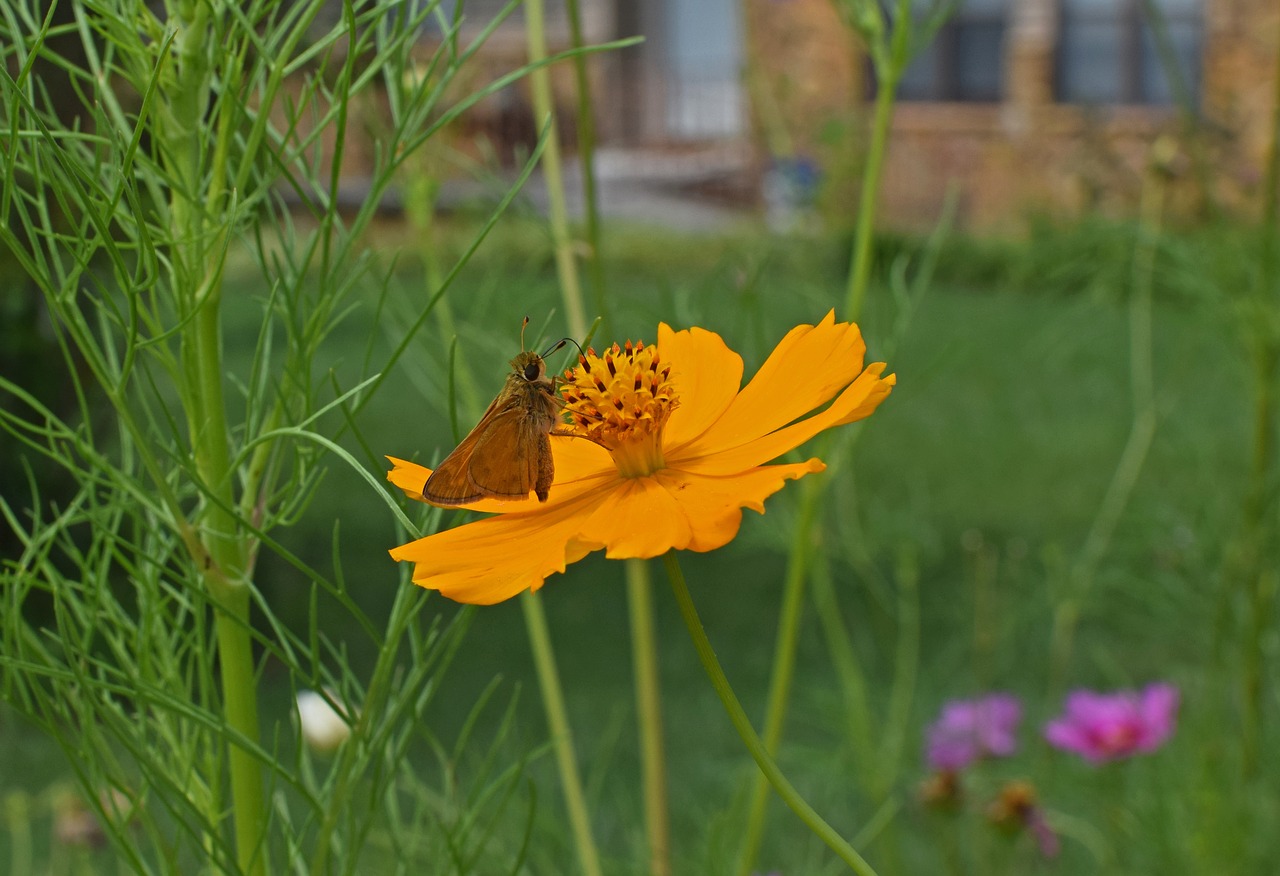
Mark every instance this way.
x=451 y=483
x=505 y=456
x=504 y=462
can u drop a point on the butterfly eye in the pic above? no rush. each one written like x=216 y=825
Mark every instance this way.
x=533 y=371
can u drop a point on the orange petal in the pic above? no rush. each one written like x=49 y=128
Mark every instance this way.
x=408 y=476
x=499 y=557
x=640 y=519
x=684 y=510
x=807 y=368
x=579 y=459
x=705 y=372
x=858 y=401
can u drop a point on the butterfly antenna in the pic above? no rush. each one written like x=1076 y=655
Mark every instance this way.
x=523 y=326
x=560 y=343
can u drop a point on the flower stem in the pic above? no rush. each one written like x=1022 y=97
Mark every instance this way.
x=1141 y=434
x=784 y=662
x=544 y=110
x=1259 y=508
x=649 y=716
x=742 y=724
x=586 y=159
x=891 y=61
x=544 y=660
x=575 y=314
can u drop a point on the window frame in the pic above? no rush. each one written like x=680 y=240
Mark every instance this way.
x=1134 y=49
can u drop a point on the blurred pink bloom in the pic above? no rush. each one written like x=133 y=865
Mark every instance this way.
x=1101 y=727
x=971 y=729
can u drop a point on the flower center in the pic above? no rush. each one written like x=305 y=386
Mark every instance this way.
x=621 y=401
x=1118 y=738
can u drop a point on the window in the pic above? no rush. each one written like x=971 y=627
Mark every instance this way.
x=965 y=60
x=1129 y=51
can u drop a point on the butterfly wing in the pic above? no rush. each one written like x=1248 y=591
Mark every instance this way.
x=505 y=456
x=505 y=461
x=451 y=483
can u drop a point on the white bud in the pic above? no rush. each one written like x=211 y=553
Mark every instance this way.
x=322 y=726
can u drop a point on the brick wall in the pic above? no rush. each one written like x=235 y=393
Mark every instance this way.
x=1026 y=154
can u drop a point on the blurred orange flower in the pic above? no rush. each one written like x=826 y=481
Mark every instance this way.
x=677 y=449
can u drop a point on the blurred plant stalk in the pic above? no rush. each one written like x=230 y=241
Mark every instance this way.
x=1142 y=428
x=889 y=52
x=575 y=316
x=755 y=746
x=1262 y=503
x=639 y=586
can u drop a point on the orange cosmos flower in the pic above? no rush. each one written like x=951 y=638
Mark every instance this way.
x=677 y=449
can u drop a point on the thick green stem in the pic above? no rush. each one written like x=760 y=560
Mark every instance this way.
x=649 y=716
x=544 y=110
x=225 y=577
x=240 y=705
x=544 y=660
x=222 y=563
x=784 y=788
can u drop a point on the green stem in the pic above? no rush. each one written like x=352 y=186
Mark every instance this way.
x=240 y=705
x=1260 y=576
x=1271 y=185
x=222 y=562
x=225 y=577
x=1141 y=433
x=544 y=110
x=742 y=724
x=860 y=261
x=649 y=716
x=575 y=314
x=586 y=159
x=764 y=101
x=853 y=680
x=1259 y=579
x=544 y=659
x=889 y=67
x=18 y=820
x=784 y=661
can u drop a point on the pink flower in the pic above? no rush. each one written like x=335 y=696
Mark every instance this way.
x=1101 y=727
x=971 y=729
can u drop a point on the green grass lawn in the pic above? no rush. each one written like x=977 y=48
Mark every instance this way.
x=985 y=470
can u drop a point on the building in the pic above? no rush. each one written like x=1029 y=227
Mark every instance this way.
x=1022 y=106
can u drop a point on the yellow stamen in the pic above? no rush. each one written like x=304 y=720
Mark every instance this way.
x=621 y=400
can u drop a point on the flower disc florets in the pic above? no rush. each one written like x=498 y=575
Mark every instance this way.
x=621 y=400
